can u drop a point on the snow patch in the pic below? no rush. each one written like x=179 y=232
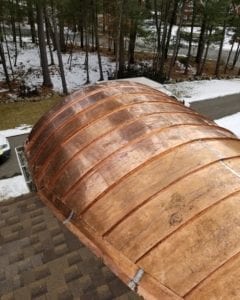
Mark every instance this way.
x=12 y=187
x=191 y=91
x=231 y=122
x=22 y=129
x=28 y=67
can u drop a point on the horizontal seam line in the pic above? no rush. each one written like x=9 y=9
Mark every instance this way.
x=143 y=165
x=195 y=217
x=43 y=168
x=134 y=142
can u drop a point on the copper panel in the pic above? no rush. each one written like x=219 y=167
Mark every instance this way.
x=152 y=185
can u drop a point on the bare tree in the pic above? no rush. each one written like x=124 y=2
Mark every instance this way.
x=97 y=39
x=59 y=54
x=31 y=20
x=42 y=45
x=4 y=64
x=175 y=51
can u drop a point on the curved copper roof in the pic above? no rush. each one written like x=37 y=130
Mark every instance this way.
x=152 y=184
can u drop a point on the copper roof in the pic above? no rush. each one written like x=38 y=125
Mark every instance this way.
x=153 y=186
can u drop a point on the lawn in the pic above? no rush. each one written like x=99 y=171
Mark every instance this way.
x=14 y=114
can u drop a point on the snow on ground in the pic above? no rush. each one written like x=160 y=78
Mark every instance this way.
x=149 y=26
x=191 y=91
x=231 y=122
x=76 y=77
x=28 y=67
x=22 y=129
x=12 y=187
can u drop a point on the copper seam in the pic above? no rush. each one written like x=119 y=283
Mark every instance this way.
x=88 y=124
x=146 y=201
x=129 y=105
x=75 y=116
x=98 y=138
x=98 y=103
x=133 y=142
x=78 y=130
x=197 y=214
x=84 y=95
x=215 y=270
x=54 y=114
x=211 y=273
x=57 y=150
x=200 y=213
x=81 y=98
x=89 y=107
x=102 y=117
x=148 y=161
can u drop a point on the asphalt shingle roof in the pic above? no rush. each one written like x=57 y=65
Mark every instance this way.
x=41 y=259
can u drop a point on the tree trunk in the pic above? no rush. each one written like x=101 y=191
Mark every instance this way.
x=121 y=65
x=104 y=19
x=132 y=42
x=220 y=50
x=235 y=59
x=86 y=36
x=14 y=32
x=47 y=25
x=120 y=43
x=201 y=43
x=206 y=51
x=86 y=57
x=93 y=35
x=4 y=64
x=201 y=46
x=60 y=62
x=71 y=51
x=81 y=36
x=158 y=25
x=229 y=56
x=7 y=46
x=61 y=36
x=31 y=20
x=174 y=56
x=97 y=40
x=42 y=46
x=13 y=21
x=173 y=17
x=161 y=55
x=20 y=35
x=19 y=24
x=191 y=37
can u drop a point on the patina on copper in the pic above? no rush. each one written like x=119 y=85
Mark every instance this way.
x=148 y=184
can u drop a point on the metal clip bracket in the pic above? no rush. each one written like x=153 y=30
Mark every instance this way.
x=69 y=217
x=136 y=279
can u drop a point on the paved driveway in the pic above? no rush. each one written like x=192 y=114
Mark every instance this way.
x=218 y=107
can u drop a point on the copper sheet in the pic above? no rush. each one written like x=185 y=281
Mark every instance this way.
x=152 y=185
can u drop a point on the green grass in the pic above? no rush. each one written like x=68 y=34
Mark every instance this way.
x=14 y=114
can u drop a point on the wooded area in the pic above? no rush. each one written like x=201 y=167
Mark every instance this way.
x=154 y=31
